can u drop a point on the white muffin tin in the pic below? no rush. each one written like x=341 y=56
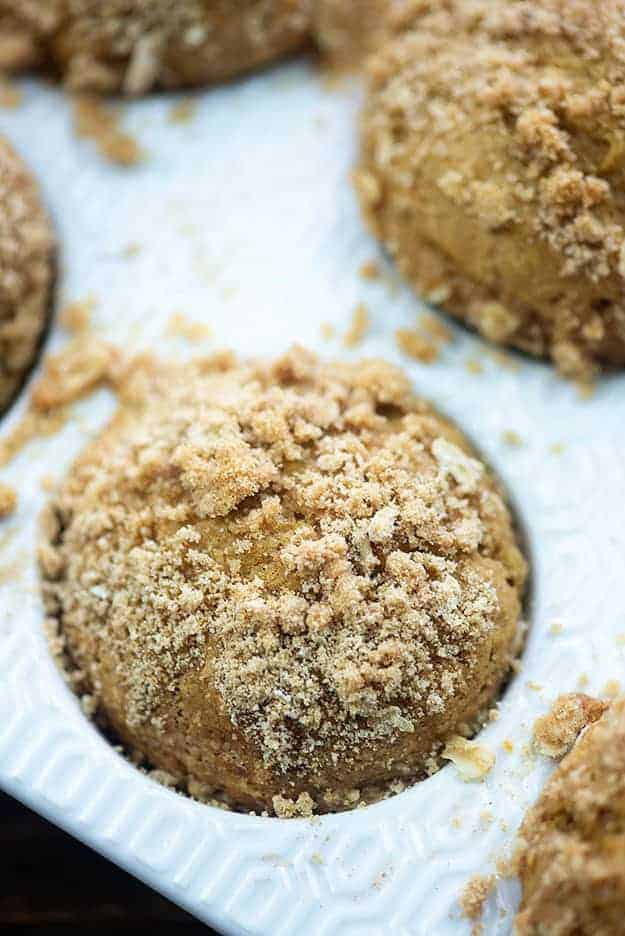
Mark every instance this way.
x=246 y=220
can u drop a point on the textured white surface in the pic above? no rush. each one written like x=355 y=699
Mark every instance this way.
x=246 y=221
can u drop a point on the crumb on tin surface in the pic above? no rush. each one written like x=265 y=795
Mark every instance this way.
x=555 y=733
x=8 y=500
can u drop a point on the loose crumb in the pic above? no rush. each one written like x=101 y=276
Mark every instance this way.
x=509 y=437
x=32 y=425
x=180 y=326
x=556 y=627
x=370 y=270
x=475 y=894
x=327 y=331
x=612 y=688
x=183 y=112
x=435 y=328
x=472 y=760
x=286 y=808
x=93 y=120
x=83 y=365
x=555 y=734
x=76 y=317
x=508 y=746
x=359 y=327
x=474 y=366
x=10 y=96
x=8 y=500
x=410 y=342
x=586 y=389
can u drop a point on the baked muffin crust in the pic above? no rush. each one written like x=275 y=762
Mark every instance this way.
x=26 y=249
x=136 y=46
x=492 y=169
x=283 y=579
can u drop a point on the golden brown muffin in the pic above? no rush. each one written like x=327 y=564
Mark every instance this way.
x=26 y=271
x=286 y=578
x=493 y=170
x=572 y=855
x=134 y=46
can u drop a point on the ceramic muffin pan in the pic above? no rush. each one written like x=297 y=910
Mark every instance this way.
x=244 y=219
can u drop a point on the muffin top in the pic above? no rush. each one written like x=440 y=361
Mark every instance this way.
x=26 y=246
x=572 y=854
x=307 y=539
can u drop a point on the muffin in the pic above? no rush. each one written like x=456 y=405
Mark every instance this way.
x=286 y=581
x=493 y=168
x=26 y=271
x=571 y=859
x=133 y=47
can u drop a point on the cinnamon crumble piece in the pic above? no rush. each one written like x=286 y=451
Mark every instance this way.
x=555 y=733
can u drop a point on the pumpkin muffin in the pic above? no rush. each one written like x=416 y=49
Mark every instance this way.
x=571 y=859
x=493 y=170
x=288 y=581
x=26 y=271
x=133 y=46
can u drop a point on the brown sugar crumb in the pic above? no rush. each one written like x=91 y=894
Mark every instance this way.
x=475 y=894
x=570 y=848
x=359 y=327
x=95 y=121
x=8 y=500
x=76 y=316
x=10 y=96
x=180 y=326
x=183 y=112
x=32 y=425
x=435 y=328
x=508 y=746
x=612 y=689
x=327 y=331
x=555 y=733
x=370 y=270
x=84 y=364
x=586 y=389
x=474 y=367
x=511 y=438
x=503 y=360
x=286 y=808
x=320 y=581
x=472 y=760
x=411 y=343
